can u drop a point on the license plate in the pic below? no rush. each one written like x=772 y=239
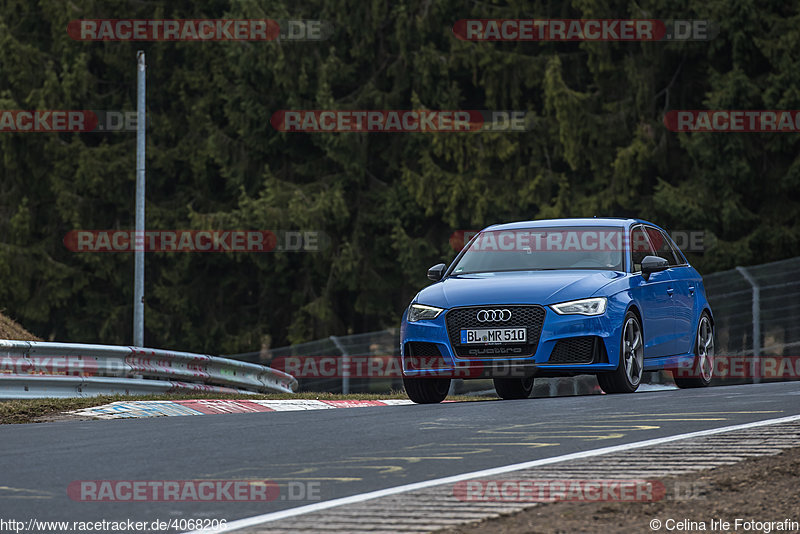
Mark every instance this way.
x=494 y=335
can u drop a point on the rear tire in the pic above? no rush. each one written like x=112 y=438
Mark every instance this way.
x=628 y=375
x=703 y=365
x=426 y=390
x=513 y=388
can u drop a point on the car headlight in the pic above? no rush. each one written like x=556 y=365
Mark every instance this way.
x=418 y=312
x=593 y=306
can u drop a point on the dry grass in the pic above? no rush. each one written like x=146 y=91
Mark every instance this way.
x=10 y=329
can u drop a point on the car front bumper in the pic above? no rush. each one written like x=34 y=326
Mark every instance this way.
x=561 y=336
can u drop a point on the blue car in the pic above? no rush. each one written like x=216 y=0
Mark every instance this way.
x=563 y=297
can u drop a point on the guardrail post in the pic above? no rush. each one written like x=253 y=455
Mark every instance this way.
x=755 y=369
x=345 y=365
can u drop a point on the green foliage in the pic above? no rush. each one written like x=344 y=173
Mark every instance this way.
x=596 y=145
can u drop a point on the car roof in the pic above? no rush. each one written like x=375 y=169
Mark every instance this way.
x=583 y=221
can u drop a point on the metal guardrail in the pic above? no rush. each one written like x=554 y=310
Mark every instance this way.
x=37 y=387
x=30 y=369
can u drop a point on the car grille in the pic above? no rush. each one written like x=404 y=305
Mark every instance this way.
x=531 y=317
x=422 y=349
x=576 y=350
x=422 y=355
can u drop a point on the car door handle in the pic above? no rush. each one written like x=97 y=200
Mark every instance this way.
x=691 y=290
x=670 y=291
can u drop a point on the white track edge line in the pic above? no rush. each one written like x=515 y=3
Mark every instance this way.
x=361 y=497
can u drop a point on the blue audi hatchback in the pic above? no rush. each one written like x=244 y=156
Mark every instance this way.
x=562 y=297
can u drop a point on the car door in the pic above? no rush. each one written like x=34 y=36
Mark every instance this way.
x=655 y=298
x=686 y=284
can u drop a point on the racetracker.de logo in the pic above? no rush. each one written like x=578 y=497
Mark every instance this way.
x=554 y=490
x=195 y=241
x=174 y=30
x=396 y=121
x=786 y=121
x=545 y=240
x=173 y=490
x=67 y=121
x=377 y=366
x=54 y=365
x=572 y=240
x=733 y=367
x=391 y=367
x=48 y=121
x=584 y=30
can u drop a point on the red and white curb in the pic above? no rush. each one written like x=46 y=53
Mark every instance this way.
x=132 y=409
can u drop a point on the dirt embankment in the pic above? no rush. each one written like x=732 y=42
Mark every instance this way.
x=10 y=329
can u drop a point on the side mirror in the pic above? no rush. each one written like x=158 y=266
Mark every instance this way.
x=435 y=273
x=653 y=264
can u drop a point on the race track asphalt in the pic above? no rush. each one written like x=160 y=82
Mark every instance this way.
x=342 y=452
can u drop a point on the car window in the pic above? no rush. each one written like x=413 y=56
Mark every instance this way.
x=675 y=250
x=640 y=247
x=661 y=245
x=544 y=248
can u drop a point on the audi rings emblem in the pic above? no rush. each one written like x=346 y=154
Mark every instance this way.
x=485 y=316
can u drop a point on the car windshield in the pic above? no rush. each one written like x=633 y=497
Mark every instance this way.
x=550 y=248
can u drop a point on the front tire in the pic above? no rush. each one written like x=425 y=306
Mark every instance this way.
x=513 y=388
x=426 y=390
x=628 y=375
x=703 y=365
